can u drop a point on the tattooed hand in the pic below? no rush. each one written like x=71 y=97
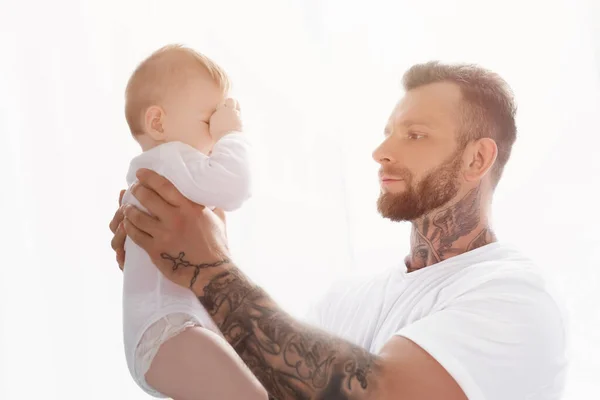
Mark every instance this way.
x=177 y=230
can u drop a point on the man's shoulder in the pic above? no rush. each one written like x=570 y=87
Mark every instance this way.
x=502 y=277
x=500 y=264
x=512 y=281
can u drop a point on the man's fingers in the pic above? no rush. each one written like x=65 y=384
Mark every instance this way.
x=155 y=205
x=141 y=220
x=121 y=259
x=116 y=227
x=161 y=186
x=221 y=214
x=140 y=238
x=117 y=218
x=118 y=241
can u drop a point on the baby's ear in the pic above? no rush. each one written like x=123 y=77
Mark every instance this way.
x=153 y=122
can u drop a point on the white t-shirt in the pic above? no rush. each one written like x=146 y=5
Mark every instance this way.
x=487 y=316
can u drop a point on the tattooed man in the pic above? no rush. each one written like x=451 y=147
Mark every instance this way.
x=465 y=316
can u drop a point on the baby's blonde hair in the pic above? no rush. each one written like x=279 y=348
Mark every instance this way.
x=166 y=69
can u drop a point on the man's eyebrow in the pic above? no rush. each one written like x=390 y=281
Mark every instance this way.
x=411 y=122
x=408 y=123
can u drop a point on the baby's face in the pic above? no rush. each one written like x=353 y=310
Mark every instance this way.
x=188 y=111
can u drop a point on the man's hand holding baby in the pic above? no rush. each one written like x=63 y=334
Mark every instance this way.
x=226 y=119
x=186 y=241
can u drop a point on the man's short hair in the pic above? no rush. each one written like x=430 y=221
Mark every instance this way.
x=488 y=104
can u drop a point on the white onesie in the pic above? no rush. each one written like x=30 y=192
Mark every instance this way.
x=154 y=308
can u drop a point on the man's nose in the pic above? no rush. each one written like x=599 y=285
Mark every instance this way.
x=382 y=155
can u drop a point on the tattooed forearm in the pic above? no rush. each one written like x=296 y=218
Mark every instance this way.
x=180 y=262
x=291 y=360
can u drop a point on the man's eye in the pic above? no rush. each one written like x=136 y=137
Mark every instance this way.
x=415 y=136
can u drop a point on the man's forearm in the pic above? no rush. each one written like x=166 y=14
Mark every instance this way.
x=292 y=360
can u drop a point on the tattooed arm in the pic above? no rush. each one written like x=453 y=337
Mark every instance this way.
x=291 y=359
x=297 y=361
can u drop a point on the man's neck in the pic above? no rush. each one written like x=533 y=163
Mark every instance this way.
x=449 y=231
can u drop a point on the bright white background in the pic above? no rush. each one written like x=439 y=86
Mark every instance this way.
x=317 y=80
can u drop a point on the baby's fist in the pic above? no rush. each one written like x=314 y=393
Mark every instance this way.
x=225 y=119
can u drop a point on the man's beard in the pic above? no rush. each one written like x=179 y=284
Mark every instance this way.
x=437 y=188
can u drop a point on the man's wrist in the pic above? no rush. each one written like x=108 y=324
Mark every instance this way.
x=195 y=276
x=206 y=273
x=225 y=290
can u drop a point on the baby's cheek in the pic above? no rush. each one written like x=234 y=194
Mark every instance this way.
x=204 y=139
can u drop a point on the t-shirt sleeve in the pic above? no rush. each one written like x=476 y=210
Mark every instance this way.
x=501 y=340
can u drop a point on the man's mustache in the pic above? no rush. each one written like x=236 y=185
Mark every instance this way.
x=395 y=173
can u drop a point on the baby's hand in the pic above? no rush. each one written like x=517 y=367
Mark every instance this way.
x=225 y=119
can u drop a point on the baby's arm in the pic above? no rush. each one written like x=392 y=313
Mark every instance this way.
x=199 y=364
x=223 y=179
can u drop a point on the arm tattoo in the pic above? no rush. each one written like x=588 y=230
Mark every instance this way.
x=291 y=360
x=179 y=262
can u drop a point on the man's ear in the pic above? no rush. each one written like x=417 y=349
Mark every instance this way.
x=153 y=122
x=479 y=157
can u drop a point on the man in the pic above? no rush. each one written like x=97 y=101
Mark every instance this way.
x=467 y=318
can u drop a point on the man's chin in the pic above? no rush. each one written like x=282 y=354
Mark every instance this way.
x=399 y=216
x=392 y=191
x=398 y=208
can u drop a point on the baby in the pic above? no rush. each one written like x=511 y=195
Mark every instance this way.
x=177 y=111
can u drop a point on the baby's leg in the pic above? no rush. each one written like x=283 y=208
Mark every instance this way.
x=198 y=364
